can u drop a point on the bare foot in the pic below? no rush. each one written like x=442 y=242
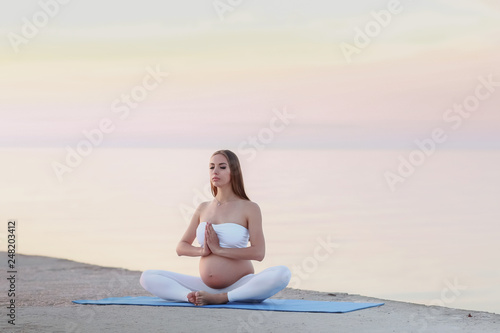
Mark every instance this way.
x=206 y=298
x=192 y=297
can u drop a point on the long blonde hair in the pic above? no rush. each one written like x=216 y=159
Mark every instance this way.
x=236 y=175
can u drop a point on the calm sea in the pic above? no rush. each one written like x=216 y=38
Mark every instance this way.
x=330 y=215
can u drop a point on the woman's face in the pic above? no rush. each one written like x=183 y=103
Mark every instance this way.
x=219 y=171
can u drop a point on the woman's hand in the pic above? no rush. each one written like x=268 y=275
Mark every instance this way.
x=205 y=249
x=211 y=238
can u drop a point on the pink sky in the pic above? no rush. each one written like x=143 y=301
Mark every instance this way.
x=225 y=77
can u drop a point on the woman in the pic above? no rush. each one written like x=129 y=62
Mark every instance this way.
x=223 y=228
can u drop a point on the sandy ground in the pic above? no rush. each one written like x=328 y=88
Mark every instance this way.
x=46 y=286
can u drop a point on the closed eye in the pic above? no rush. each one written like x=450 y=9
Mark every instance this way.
x=222 y=166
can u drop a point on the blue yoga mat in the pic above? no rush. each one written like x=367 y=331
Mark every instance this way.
x=290 y=305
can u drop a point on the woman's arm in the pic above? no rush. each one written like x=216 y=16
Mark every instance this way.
x=257 y=248
x=185 y=247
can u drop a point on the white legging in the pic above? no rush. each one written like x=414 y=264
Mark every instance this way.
x=250 y=288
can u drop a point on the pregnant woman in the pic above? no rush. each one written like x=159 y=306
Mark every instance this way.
x=223 y=228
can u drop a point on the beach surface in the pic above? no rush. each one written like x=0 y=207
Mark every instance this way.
x=45 y=288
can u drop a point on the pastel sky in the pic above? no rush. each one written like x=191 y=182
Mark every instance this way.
x=180 y=74
x=226 y=76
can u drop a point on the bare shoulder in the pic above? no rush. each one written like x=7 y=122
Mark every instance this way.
x=254 y=220
x=251 y=208
x=202 y=207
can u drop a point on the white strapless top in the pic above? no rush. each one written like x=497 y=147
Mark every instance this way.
x=230 y=234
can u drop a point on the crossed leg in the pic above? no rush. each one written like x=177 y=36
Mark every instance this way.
x=186 y=288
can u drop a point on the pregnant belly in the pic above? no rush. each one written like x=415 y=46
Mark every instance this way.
x=220 y=272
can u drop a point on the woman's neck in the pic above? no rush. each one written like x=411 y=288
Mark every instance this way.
x=225 y=194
